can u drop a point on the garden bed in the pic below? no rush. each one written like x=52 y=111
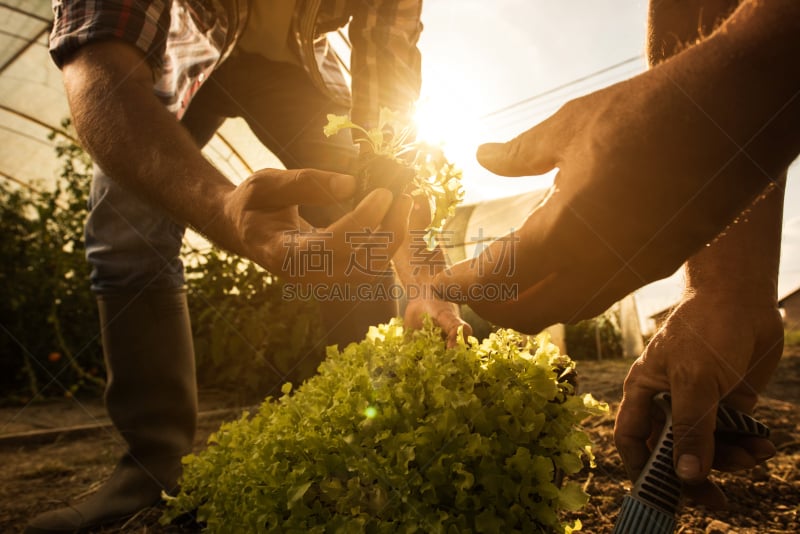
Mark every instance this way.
x=38 y=477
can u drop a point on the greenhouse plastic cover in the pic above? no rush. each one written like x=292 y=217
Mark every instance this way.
x=33 y=104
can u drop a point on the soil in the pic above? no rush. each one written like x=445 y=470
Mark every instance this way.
x=39 y=474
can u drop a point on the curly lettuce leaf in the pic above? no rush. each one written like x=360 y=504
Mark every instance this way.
x=400 y=433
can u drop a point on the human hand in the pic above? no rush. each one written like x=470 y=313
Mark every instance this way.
x=444 y=314
x=650 y=169
x=375 y=170
x=710 y=351
x=267 y=228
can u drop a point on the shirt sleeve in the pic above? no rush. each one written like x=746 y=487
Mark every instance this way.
x=385 y=60
x=144 y=24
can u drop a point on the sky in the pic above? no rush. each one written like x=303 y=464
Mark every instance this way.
x=477 y=60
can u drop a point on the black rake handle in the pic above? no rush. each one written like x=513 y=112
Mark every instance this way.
x=655 y=498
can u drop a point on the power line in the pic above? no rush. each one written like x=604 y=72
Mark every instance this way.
x=536 y=111
x=561 y=87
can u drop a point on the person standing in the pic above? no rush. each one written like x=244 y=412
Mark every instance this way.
x=148 y=83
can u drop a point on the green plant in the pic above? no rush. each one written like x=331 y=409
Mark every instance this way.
x=399 y=434
x=49 y=336
x=243 y=340
x=395 y=161
x=792 y=338
x=595 y=338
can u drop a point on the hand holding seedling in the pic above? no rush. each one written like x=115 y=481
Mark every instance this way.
x=264 y=215
x=391 y=159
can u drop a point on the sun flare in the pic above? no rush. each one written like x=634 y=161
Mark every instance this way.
x=445 y=119
x=447 y=114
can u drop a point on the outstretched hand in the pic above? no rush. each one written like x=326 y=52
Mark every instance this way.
x=708 y=352
x=267 y=227
x=649 y=171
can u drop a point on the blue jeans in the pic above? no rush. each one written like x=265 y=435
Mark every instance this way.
x=132 y=245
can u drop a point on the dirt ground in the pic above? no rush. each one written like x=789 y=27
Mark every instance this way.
x=40 y=474
x=760 y=501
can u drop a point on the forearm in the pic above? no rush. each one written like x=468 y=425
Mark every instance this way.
x=748 y=67
x=674 y=25
x=136 y=141
x=744 y=260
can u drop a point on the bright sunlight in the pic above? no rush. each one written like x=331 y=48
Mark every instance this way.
x=447 y=115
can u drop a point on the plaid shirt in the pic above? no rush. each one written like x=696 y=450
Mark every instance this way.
x=184 y=41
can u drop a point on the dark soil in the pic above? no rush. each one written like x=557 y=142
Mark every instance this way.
x=762 y=500
x=40 y=476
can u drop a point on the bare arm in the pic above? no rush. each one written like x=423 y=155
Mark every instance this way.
x=651 y=169
x=720 y=344
x=724 y=339
x=140 y=144
x=133 y=137
x=674 y=25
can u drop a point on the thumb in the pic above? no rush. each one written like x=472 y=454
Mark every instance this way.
x=694 y=417
x=530 y=153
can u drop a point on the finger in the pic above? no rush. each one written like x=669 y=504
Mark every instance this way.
x=366 y=216
x=458 y=333
x=280 y=188
x=743 y=453
x=449 y=321
x=532 y=152
x=694 y=416
x=632 y=428
x=397 y=220
x=369 y=245
x=411 y=319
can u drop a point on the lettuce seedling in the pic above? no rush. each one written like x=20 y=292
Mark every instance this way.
x=397 y=162
x=399 y=433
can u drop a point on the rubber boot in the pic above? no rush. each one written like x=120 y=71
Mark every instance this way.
x=151 y=399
